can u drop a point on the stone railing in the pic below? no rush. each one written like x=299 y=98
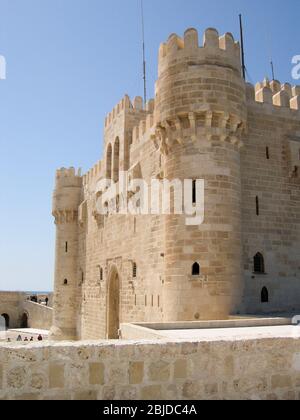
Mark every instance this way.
x=239 y=369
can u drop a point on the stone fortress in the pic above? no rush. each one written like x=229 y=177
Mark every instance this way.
x=205 y=123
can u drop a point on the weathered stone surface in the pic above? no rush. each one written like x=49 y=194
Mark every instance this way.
x=250 y=373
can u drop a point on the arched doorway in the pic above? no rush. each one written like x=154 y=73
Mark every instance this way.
x=113 y=306
x=6 y=320
x=24 y=321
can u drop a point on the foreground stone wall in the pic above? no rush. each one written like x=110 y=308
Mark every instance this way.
x=251 y=369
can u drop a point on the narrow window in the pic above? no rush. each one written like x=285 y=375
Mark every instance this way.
x=257 y=206
x=65 y=282
x=66 y=247
x=82 y=277
x=267 y=153
x=264 y=295
x=116 y=160
x=109 y=162
x=196 y=269
x=100 y=273
x=145 y=300
x=194 y=192
x=152 y=301
x=135 y=300
x=134 y=270
x=259 y=264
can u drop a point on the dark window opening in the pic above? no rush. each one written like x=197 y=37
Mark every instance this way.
x=194 y=192
x=66 y=247
x=196 y=269
x=24 y=321
x=257 y=206
x=264 y=295
x=259 y=264
x=267 y=153
x=6 y=320
x=101 y=274
x=134 y=270
x=65 y=282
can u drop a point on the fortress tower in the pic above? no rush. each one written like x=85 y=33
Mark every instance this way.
x=205 y=124
x=201 y=114
x=66 y=200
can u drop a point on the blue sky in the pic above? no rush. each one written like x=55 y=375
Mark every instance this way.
x=68 y=63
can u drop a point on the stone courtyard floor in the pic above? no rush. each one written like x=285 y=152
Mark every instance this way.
x=232 y=334
x=28 y=332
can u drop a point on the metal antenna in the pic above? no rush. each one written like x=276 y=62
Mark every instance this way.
x=144 y=54
x=242 y=48
x=272 y=67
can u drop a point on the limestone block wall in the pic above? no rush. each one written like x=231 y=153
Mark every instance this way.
x=112 y=244
x=251 y=369
x=271 y=203
x=39 y=316
x=11 y=304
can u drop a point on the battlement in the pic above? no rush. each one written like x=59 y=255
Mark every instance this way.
x=68 y=177
x=93 y=173
x=215 y=49
x=126 y=104
x=275 y=93
x=68 y=172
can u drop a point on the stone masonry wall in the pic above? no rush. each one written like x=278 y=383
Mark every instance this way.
x=251 y=369
x=40 y=317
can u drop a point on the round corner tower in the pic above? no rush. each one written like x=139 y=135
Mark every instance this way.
x=66 y=200
x=201 y=114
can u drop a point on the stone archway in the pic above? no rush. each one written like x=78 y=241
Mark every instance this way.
x=6 y=320
x=113 y=306
x=24 y=321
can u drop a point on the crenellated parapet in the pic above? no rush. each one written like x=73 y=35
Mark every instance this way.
x=135 y=106
x=215 y=49
x=125 y=103
x=67 y=195
x=145 y=125
x=93 y=174
x=275 y=93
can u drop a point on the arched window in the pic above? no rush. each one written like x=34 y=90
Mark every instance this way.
x=65 y=282
x=116 y=169
x=264 y=295
x=24 y=320
x=196 y=269
x=134 y=270
x=108 y=161
x=259 y=264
